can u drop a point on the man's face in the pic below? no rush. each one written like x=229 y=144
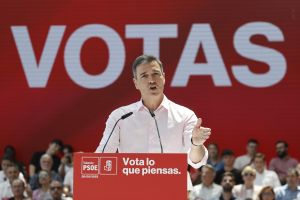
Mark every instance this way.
x=212 y=151
x=292 y=180
x=207 y=176
x=259 y=164
x=12 y=173
x=227 y=183
x=53 y=148
x=228 y=160
x=56 y=189
x=5 y=164
x=281 y=150
x=149 y=80
x=46 y=163
x=251 y=148
x=18 y=188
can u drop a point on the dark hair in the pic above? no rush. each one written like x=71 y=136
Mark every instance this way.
x=69 y=147
x=145 y=59
x=251 y=140
x=227 y=152
x=228 y=174
x=58 y=142
x=213 y=144
x=282 y=141
x=260 y=155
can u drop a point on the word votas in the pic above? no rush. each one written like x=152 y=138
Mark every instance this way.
x=37 y=72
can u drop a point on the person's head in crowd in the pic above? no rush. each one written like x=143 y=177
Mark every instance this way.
x=68 y=153
x=266 y=193
x=55 y=146
x=282 y=149
x=56 y=190
x=10 y=152
x=18 y=188
x=44 y=178
x=259 y=162
x=252 y=146
x=292 y=178
x=248 y=175
x=213 y=151
x=228 y=181
x=298 y=170
x=207 y=175
x=12 y=172
x=46 y=162
x=228 y=157
x=5 y=162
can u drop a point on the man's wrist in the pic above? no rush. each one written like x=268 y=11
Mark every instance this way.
x=196 y=145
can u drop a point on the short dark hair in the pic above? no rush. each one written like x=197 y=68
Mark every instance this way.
x=228 y=174
x=58 y=142
x=69 y=147
x=145 y=59
x=227 y=152
x=284 y=142
x=251 y=140
x=260 y=155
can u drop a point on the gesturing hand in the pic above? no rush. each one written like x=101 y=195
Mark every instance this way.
x=200 y=134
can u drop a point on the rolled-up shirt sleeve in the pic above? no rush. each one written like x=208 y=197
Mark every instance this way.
x=201 y=163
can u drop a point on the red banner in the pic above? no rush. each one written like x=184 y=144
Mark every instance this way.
x=65 y=65
x=130 y=176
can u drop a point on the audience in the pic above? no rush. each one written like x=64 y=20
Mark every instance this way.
x=53 y=149
x=43 y=192
x=207 y=190
x=213 y=157
x=266 y=193
x=228 y=160
x=283 y=161
x=264 y=177
x=244 y=160
x=291 y=190
x=247 y=190
x=12 y=173
x=227 y=184
x=18 y=190
x=46 y=163
x=66 y=162
x=254 y=182
x=56 y=191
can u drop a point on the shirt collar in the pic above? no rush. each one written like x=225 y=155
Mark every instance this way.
x=165 y=104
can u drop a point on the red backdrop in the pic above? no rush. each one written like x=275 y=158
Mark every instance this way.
x=66 y=108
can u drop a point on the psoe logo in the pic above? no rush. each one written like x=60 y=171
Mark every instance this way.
x=108 y=166
x=90 y=167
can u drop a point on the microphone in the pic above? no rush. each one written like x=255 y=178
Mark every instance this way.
x=122 y=117
x=153 y=115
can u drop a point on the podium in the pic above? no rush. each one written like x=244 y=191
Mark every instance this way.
x=112 y=176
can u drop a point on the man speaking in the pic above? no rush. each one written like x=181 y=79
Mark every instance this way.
x=154 y=124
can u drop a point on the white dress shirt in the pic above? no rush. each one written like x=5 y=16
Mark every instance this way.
x=5 y=190
x=241 y=161
x=202 y=192
x=138 y=133
x=267 y=178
